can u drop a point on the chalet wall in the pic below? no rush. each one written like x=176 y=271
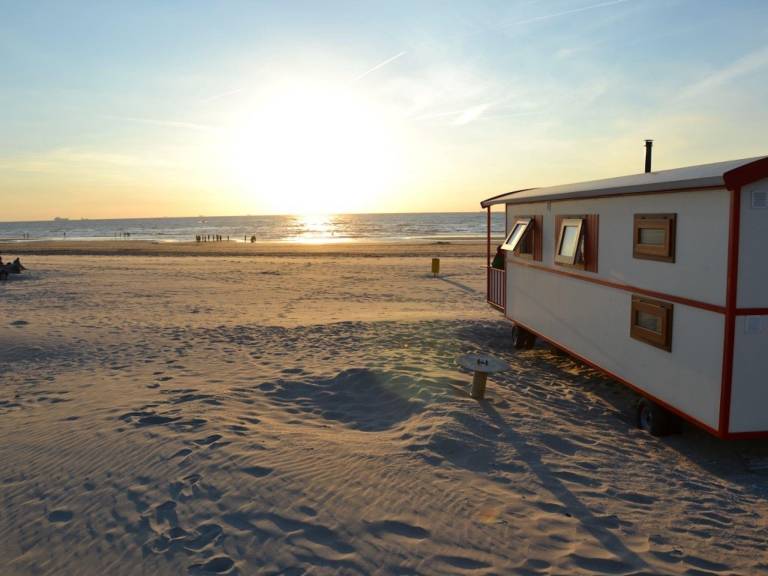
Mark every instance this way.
x=593 y=320
x=750 y=382
x=753 y=244
x=699 y=271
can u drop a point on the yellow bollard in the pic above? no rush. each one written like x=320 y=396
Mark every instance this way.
x=435 y=266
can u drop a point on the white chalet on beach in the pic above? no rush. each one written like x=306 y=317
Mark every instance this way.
x=659 y=279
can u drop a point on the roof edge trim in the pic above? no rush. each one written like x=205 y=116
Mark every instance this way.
x=490 y=201
x=746 y=174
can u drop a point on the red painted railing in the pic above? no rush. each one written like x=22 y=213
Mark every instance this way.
x=497 y=288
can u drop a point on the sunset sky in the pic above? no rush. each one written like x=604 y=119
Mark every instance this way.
x=131 y=109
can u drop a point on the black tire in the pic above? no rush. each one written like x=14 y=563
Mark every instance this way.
x=522 y=339
x=656 y=420
x=531 y=342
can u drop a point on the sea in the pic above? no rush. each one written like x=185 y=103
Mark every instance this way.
x=298 y=228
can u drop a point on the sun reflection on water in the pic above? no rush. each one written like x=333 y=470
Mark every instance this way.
x=317 y=229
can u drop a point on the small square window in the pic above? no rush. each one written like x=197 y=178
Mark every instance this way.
x=515 y=239
x=654 y=237
x=652 y=322
x=570 y=242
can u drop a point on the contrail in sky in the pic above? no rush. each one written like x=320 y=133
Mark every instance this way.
x=744 y=65
x=565 y=13
x=380 y=65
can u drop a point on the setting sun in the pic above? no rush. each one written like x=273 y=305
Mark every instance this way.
x=309 y=147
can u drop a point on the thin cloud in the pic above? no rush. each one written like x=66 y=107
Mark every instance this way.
x=380 y=65
x=564 y=13
x=471 y=114
x=226 y=94
x=744 y=65
x=72 y=159
x=164 y=123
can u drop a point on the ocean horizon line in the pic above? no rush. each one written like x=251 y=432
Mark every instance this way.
x=286 y=215
x=392 y=226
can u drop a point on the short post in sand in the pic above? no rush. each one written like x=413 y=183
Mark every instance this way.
x=435 y=267
x=481 y=365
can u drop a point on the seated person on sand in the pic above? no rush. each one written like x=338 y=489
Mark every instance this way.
x=15 y=267
x=498 y=260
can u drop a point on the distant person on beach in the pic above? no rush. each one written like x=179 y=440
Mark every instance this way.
x=498 y=260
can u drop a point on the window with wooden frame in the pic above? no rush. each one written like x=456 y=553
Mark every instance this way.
x=654 y=237
x=576 y=241
x=520 y=229
x=525 y=238
x=652 y=322
x=570 y=242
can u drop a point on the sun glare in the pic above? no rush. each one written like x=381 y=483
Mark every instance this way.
x=313 y=148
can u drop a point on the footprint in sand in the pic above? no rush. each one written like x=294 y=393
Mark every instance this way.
x=147 y=418
x=397 y=528
x=218 y=565
x=166 y=512
x=463 y=563
x=207 y=440
x=308 y=511
x=177 y=538
x=206 y=533
x=182 y=453
x=257 y=471
x=154 y=419
x=60 y=516
x=238 y=429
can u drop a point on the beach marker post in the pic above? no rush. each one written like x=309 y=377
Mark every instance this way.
x=478 y=384
x=481 y=366
x=435 y=267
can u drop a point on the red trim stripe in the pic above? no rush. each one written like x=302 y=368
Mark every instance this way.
x=752 y=312
x=626 y=287
x=729 y=335
x=747 y=173
x=618 y=378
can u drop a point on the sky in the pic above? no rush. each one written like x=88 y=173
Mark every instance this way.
x=185 y=108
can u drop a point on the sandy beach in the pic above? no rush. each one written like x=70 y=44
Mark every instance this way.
x=441 y=248
x=297 y=409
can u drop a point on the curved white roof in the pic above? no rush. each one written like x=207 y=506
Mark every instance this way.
x=701 y=176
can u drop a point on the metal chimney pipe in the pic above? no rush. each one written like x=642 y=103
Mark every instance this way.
x=648 y=153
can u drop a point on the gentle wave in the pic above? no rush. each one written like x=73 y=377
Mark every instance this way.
x=338 y=228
